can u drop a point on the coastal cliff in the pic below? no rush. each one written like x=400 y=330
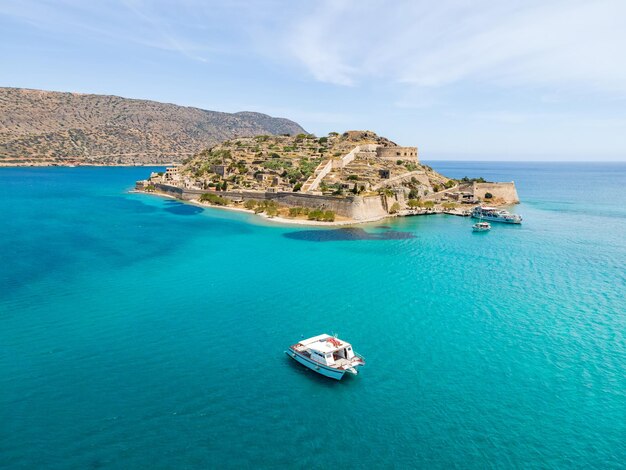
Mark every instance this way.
x=52 y=128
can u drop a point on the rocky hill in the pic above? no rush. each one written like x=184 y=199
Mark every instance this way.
x=338 y=164
x=45 y=127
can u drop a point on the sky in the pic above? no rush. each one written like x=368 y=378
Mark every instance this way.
x=460 y=79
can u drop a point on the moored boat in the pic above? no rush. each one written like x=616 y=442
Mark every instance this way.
x=327 y=355
x=494 y=214
x=481 y=227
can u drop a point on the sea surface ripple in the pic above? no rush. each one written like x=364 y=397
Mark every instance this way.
x=140 y=332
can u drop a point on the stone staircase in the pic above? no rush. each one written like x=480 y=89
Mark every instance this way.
x=313 y=182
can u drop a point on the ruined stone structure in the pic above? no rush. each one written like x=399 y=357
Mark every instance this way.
x=501 y=193
x=398 y=153
x=357 y=175
x=354 y=207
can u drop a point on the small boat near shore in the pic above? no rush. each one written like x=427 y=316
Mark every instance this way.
x=327 y=355
x=481 y=227
x=494 y=214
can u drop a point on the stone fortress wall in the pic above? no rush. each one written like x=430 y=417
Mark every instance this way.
x=397 y=153
x=354 y=207
x=505 y=193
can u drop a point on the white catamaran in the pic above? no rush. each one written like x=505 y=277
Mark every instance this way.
x=326 y=355
x=494 y=214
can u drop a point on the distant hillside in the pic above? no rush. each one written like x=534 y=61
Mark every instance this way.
x=47 y=127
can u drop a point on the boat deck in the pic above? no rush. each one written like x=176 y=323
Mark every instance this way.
x=340 y=363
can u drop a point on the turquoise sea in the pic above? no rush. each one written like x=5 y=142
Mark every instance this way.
x=139 y=332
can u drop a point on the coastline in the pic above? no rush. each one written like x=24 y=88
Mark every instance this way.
x=276 y=219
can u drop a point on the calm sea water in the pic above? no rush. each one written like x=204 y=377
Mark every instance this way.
x=138 y=332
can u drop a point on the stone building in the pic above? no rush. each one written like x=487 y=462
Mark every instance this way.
x=221 y=170
x=171 y=173
x=397 y=153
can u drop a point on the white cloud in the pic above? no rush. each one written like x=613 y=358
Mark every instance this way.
x=548 y=43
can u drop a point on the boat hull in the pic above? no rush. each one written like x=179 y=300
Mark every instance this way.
x=326 y=371
x=498 y=219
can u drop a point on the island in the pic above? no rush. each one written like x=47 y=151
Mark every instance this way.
x=353 y=177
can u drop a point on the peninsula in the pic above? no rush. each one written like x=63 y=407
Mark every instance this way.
x=352 y=177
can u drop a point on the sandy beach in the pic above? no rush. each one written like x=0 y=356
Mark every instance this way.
x=276 y=219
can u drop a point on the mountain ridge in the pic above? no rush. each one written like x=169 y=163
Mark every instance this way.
x=40 y=127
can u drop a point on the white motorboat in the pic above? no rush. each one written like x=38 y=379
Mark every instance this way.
x=494 y=214
x=481 y=227
x=327 y=355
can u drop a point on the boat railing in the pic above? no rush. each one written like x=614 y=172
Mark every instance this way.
x=359 y=356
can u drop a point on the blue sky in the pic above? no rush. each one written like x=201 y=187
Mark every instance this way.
x=514 y=80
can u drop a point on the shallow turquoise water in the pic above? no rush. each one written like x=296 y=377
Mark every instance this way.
x=137 y=332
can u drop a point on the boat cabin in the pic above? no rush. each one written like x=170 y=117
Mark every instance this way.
x=328 y=350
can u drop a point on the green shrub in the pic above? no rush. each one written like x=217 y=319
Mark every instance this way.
x=213 y=199
x=320 y=215
x=414 y=203
x=270 y=207
x=449 y=205
x=329 y=216
x=352 y=178
x=465 y=179
x=488 y=195
x=297 y=187
x=315 y=214
x=395 y=207
x=250 y=204
x=322 y=140
x=307 y=167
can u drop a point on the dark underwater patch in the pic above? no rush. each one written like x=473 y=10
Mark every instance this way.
x=179 y=208
x=126 y=204
x=346 y=234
